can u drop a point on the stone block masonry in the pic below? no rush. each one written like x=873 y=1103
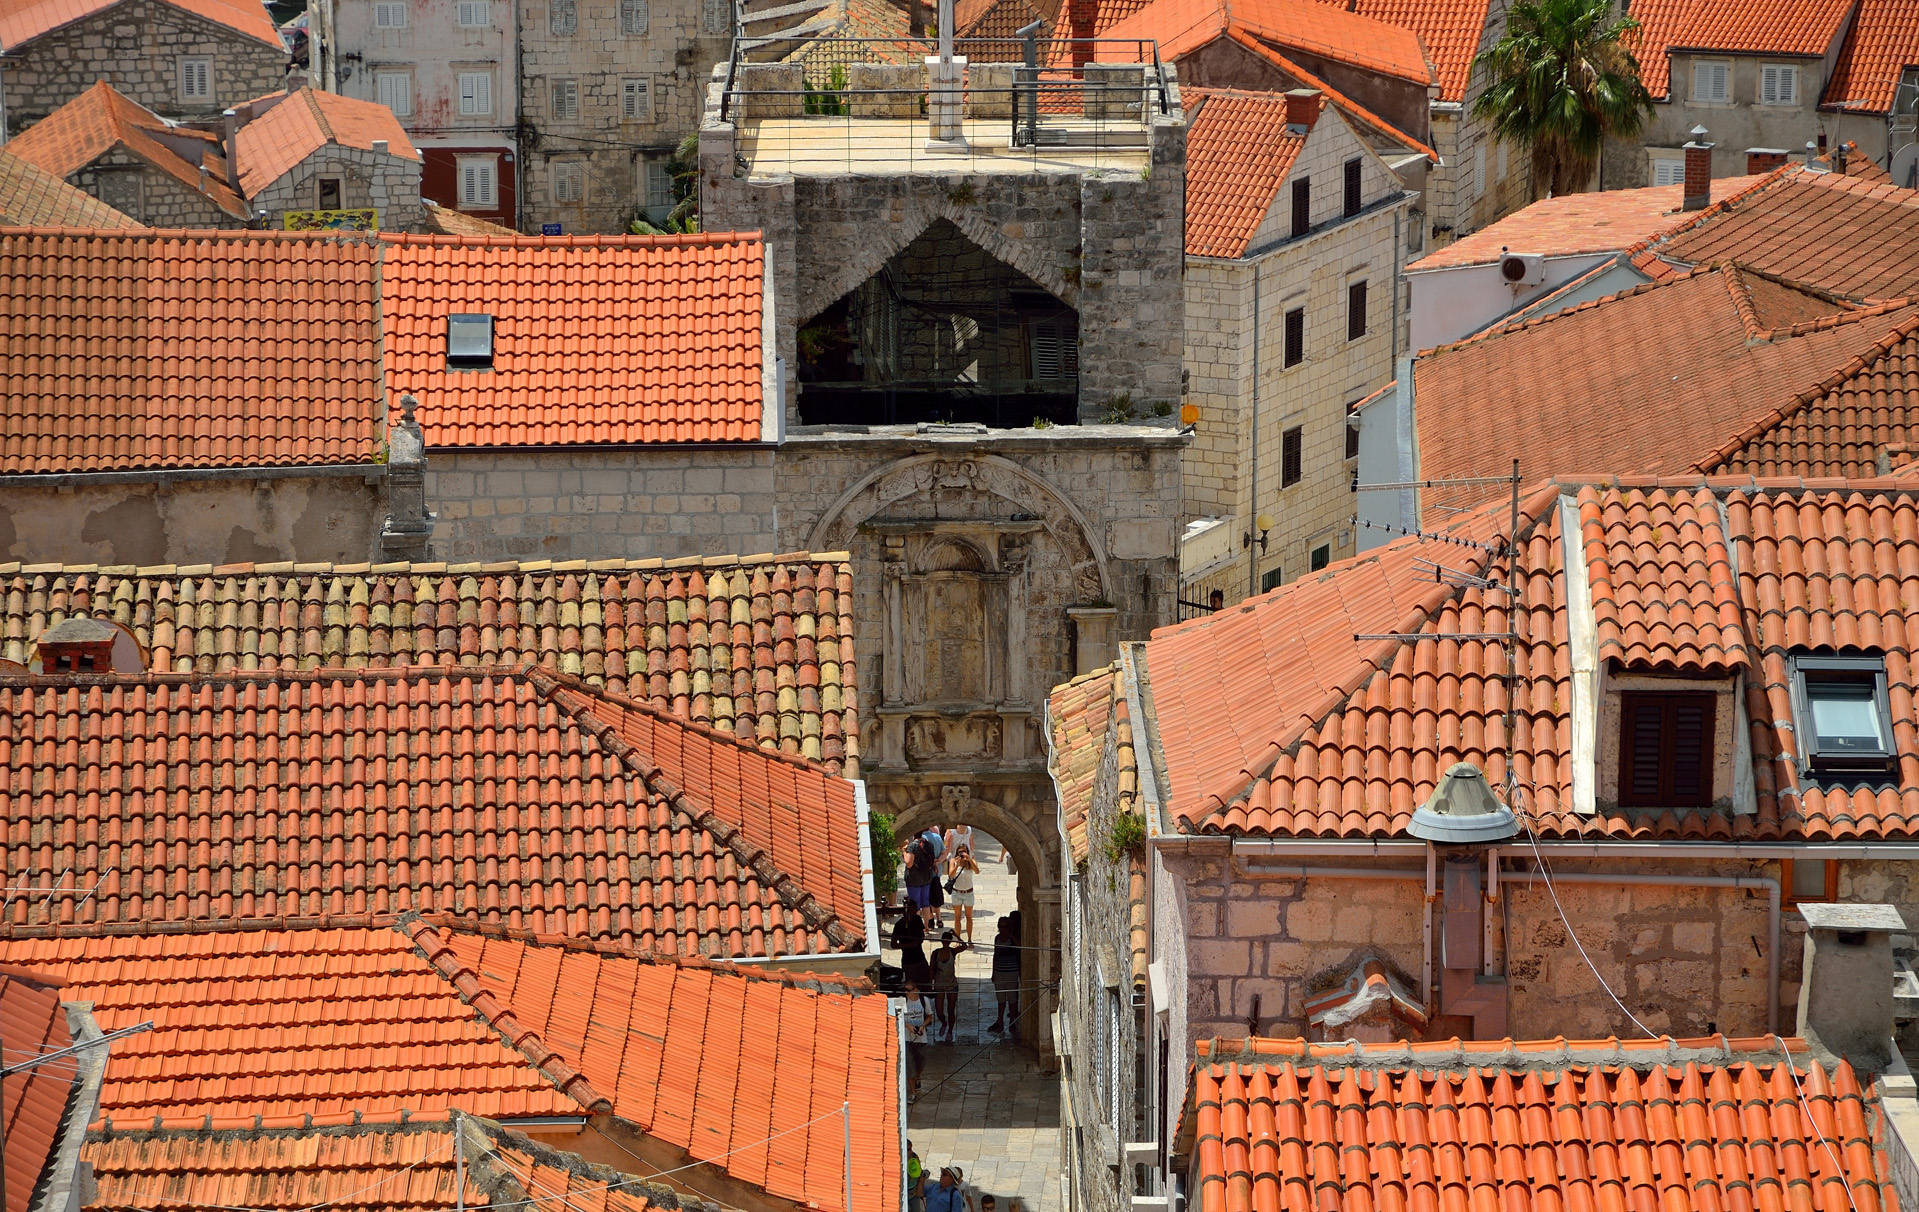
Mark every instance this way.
x=148 y=195
x=385 y=182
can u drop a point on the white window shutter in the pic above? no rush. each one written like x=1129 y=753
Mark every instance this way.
x=396 y=92
x=719 y=16
x=635 y=16
x=1720 y=82
x=1788 y=86
x=1668 y=172
x=636 y=101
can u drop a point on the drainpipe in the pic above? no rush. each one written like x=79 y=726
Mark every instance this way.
x=1252 y=493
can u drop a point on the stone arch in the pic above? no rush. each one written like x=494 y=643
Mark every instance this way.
x=996 y=474
x=953 y=554
x=1027 y=848
x=891 y=239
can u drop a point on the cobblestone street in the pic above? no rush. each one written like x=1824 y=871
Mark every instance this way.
x=984 y=1102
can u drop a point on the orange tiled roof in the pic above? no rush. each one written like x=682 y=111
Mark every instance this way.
x=1237 y=155
x=1325 y=734
x=1449 y=30
x=671 y=353
x=757 y=646
x=377 y=1166
x=30 y=196
x=1879 y=47
x=124 y=350
x=1702 y=1124
x=1787 y=27
x=1570 y=224
x=1182 y=26
x=1001 y=19
x=21 y=21
x=707 y=1058
x=498 y=795
x=295 y=125
x=33 y=1111
x=100 y=119
x=1079 y=715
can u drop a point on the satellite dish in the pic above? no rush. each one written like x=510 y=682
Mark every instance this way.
x=1905 y=166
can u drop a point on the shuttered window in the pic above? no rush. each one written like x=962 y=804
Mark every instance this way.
x=1779 y=84
x=473 y=14
x=1295 y=336
x=1292 y=447
x=1355 y=194
x=1302 y=206
x=479 y=181
x=389 y=15
x=563 y=19
x=718 y=16
x=1668 y=172
x=196 y=79
x=636 y=100
x=569 y=181
x=1665 y=749
x=635 y=16
x=476 y=93
x=395 y=91
x=1711 y=80
x=566 y=98
x=1355 y=311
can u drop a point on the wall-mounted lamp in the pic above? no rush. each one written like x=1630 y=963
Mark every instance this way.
x=1262 y=523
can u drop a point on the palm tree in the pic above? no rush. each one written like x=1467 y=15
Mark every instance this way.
x=1561 y=82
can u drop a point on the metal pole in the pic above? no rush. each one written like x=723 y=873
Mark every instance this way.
x=1252 y=492
x=459 y=1167
x=846 y=1130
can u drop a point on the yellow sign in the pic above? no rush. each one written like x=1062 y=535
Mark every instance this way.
x=333 y=220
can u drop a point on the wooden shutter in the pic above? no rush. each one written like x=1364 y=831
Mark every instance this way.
x=635 y=101
x=1302 y=206
x=1354 y=193
x=1295 y=336
x=1355 y=311
x=1291 y=457
x=1666 y=749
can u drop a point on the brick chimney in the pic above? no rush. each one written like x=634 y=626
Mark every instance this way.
x=1302 y=110
x=1763 y=159
x=1839 y=154
x=1846 y=989
x=1698 y=171
x=1080 y=15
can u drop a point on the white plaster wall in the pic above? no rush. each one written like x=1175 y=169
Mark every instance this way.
x=1453 y=303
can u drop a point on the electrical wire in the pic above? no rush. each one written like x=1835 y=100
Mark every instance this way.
x=1806 y=1111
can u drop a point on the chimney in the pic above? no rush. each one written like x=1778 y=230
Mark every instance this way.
x=203 y=178
x=1080 y=18
x=1698 y=171
x=1302 y=110
x=380 y=147
x=1763 y=159
x=232 y=117
x=1839 y=158
x=1846 y=985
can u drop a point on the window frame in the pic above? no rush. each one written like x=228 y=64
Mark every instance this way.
x=640 y=113
x=1786 y=71
x=1320 y=556
x=563 y=94
x=1853 y=670
x=1356 y=310
x=386 y=7
x=381 y=77
x=483 y=7
x=320 y=192
x=1631 y=702
x=1293 y=333
x=644 y=23
x=1352 y=431
x=473 y=109
x=1302 y=207
x=660 y=172
x=568 y=27
x=1292 y=455
x=569 y=170
x=492 y=165
x=1693 y=94
x=1271 y=579
x=707 y=10
x=184 y=67
x=1788 y=894
x=1676 y=173
x=1354 y=186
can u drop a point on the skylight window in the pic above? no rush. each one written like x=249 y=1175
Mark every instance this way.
x=1841 y=714
x=469 y=342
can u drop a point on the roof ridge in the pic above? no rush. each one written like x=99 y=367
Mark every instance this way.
x=495 y=1011
x=1575 y=309
x=1713 y=209
x=314 y=107
x=328 y=570
x=1741 y=292
x=704 y=239
x=1339 y=99
x=800 y=900
x=1658 y=1050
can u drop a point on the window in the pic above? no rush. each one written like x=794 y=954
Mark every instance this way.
x=1055 y=349
x=329 y=193
x=718 y=16
x=636 y=100
x=1292 y=445
x=1809 y=880
x=473 y=14
x=1711 y=80
x=1501 y=175
x=395 y=91
x=389 y=14
x=1479 y=171
x=1778 y=84
x=1355 y=193
x=659 y=184
x=1665 y=749
x=196 y=79
x=479 y=182
x=1356 y=311
x=1295 y=336
x=1668 y=172
x=1112 y=1058
x=469 y=340
x=476 y=93
x=566 y=98
x=1302 y=206
x=1352 y=430
x=563 y=19
x=1322 y=556
x=1841 y=715
x=1270 y=579
x=569 y=181
x=635 y=15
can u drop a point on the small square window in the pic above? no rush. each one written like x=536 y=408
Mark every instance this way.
x=473 y=14
x=1292 y=445
x=1270 y=579
x=389 y=14
x=1355 y=193
x=1322 y=556
x=196 y=79
x=469 y=341
x=1666 y=749
x=1809 y=880
x=1841 y=715
x=1295 y=337
x=1302 y=206
x=1778 y=84
x=329 y=198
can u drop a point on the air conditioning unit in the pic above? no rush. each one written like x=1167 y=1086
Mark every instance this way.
x=1518 y=269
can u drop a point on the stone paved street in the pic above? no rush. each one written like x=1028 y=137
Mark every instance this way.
x=984 y=1102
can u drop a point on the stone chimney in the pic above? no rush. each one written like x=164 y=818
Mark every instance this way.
x=380 y=147
x=1839 y=158
x=1698 y=171
x=233 y=122
x=1763 y=159
x=408 y=524
x=1845 y=988
x=1302 y=110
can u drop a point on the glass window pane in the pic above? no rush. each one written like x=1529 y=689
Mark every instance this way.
x=1845 y=717
x=1808 y=881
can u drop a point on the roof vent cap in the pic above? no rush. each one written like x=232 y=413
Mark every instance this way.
x=1462 y=810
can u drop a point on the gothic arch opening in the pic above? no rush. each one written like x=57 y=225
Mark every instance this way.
x=944 y=331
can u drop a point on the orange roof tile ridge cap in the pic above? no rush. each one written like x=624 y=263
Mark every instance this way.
x=479 y=995
x=223 y=925
x=797 y=898
x=714 y=239
x=1340 y=100
x=1715 y=209
x=1741 y=293
x=319 y=114
x=1801 y=400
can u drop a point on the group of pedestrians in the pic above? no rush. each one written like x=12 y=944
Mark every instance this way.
x=939 y=867
x=948 y=1192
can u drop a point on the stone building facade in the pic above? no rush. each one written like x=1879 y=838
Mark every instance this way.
x=173 y=61
x=150 y=195
x=385 y=181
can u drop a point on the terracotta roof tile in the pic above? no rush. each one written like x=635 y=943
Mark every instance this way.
x=295 y=125
x=33 y=1111
x=1275 y=1124
x=1237 y=155
x=100 y=119
x=30 y=196
x=1879 y=47
x=1660 y=570
x=1785 y=27
x=760 y=647
x=21 y=21
x=443 y=221
x=501 y=796
x=372 y=1167
x=1002 y=19
x=1449 y=30
x=1181 y=26
x=1079 y=715
x=710 y=1059
x=672 y=352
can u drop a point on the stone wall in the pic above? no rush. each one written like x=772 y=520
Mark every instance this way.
x=159 y=199
x=145 y=520
x=388 y=183
x=582 y=505
x=1731 y=126
x=137 y=48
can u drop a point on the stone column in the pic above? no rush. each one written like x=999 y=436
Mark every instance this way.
x=1093 y=642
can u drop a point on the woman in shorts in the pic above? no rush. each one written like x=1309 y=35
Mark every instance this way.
x=960 y=880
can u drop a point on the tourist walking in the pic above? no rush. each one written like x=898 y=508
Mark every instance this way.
x=1006 y=955
x=959 y=884
x=914 y=1016
x=951 y=1194
x=945 y=970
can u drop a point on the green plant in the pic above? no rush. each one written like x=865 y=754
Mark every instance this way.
x=885 y=847
x=1119 y=409
x=962 y=196
x=1042 y=423
x=1162 y=409
x=684 y=218
x=1127 y=836
x=828 y=100
x=1559 y=83
x=1146 y=173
